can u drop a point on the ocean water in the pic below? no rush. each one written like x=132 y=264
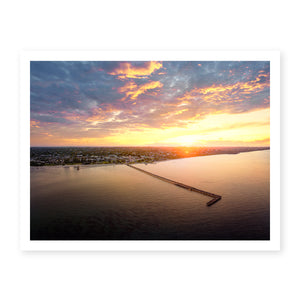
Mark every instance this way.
x=116 y=202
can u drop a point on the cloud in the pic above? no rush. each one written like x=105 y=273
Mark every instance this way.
x=238 y=125
x=174 y=113
x=74 y=99
x=127 y=70
x=34 y=124
x=228 y=93
x=132 y=90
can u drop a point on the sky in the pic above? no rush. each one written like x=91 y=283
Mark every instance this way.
x=150 y=103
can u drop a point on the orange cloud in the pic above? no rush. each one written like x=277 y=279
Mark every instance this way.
x=34 y=124
x=46 y=134
x=127 y=70
x=174 y=113
x=227 y=93
x=132 y=90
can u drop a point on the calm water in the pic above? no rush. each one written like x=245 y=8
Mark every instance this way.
x=118 y=202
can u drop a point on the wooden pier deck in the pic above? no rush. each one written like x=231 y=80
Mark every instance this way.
x=214 y=197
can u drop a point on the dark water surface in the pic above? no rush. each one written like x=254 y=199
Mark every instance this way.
x=120 y=203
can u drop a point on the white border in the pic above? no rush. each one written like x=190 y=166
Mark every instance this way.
x=26 y=244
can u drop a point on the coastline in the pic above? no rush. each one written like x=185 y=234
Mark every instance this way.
x=140 y=163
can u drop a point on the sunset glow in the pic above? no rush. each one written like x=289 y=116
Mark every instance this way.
x=201 y=103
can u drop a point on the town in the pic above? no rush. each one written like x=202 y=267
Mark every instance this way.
x=50 y=156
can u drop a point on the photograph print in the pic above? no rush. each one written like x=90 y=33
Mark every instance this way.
x=152 y=150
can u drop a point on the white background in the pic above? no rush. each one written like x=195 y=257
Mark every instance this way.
x=149 y=25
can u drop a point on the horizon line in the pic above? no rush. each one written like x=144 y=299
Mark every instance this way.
x=150 y=146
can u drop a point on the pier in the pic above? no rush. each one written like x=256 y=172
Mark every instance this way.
x=214 y=197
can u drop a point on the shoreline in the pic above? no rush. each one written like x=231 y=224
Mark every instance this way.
x=142 y=163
